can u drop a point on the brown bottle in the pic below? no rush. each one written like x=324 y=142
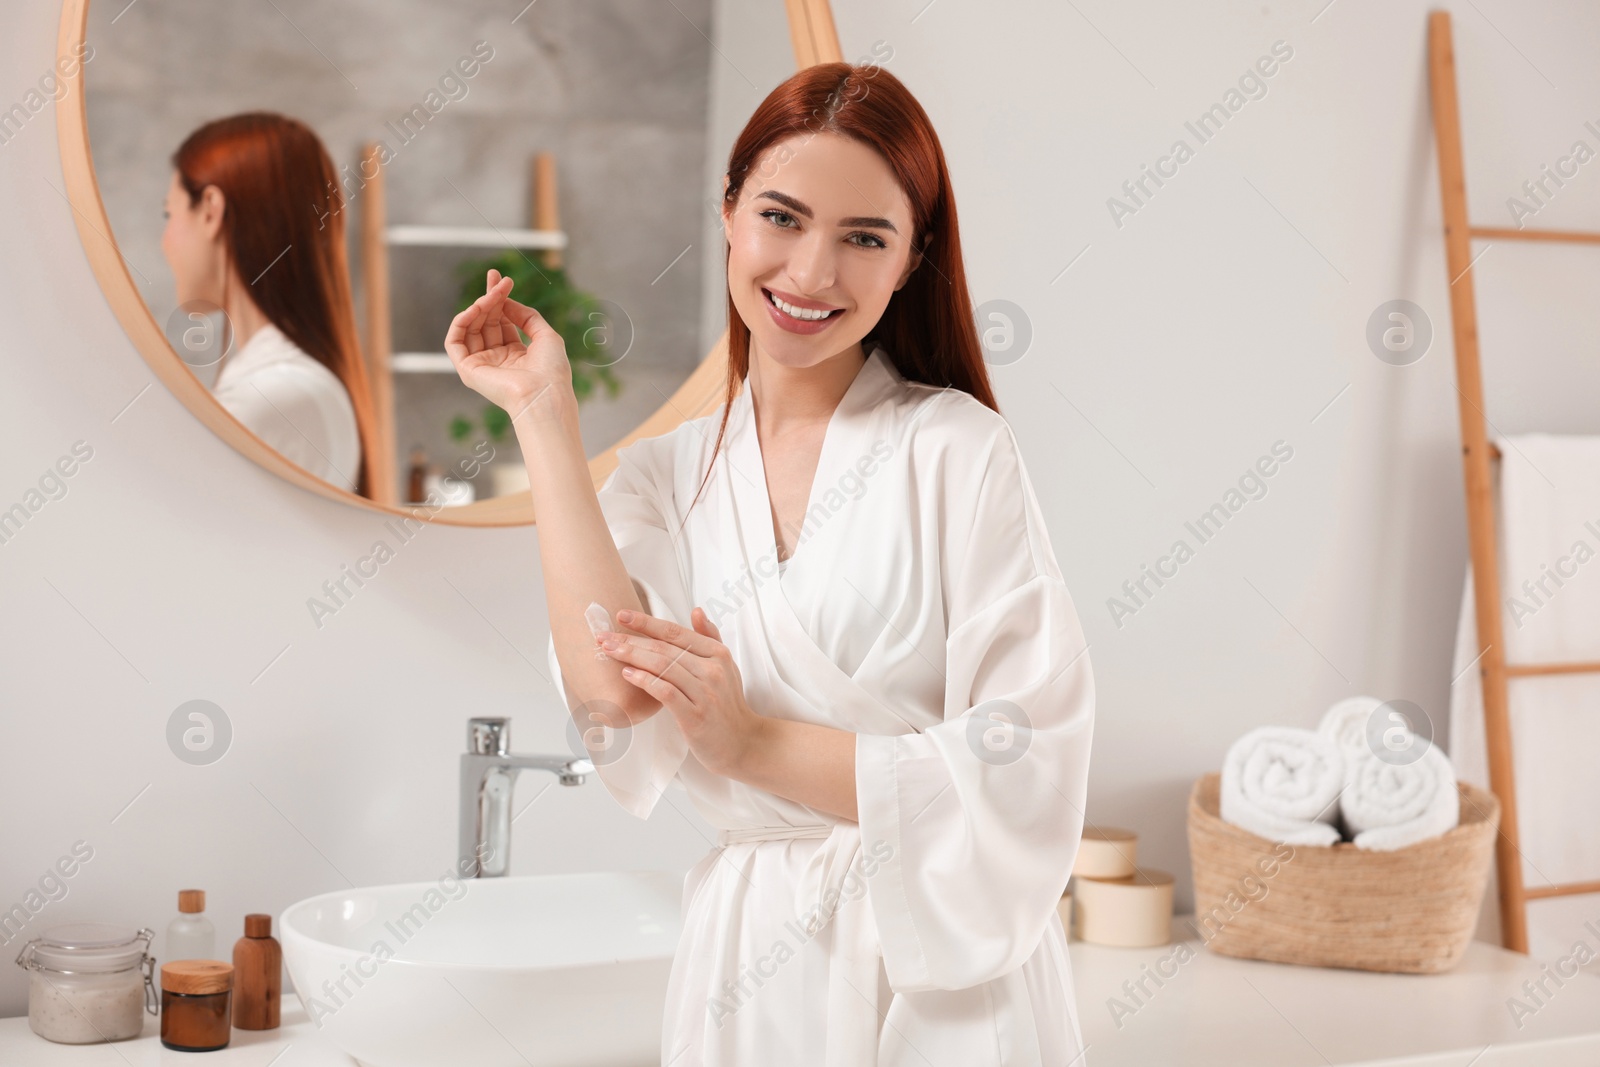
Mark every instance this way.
x=258 y=975
x=415 y=479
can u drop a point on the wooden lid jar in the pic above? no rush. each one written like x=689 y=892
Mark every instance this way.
x=1131 y=912
x=196 y=1004
x=1106 y=852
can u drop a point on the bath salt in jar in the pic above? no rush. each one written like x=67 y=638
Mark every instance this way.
x=89 y=982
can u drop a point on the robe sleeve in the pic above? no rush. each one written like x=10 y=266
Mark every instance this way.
x=979 y=822
x=636 y=502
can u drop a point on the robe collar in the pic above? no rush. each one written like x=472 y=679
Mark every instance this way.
x=845 y=436
x=780 y=653
x=268 y=345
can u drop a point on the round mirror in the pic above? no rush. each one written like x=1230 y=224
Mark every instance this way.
x=288 y=202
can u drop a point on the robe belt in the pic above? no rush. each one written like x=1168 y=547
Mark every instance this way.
x=853 y=1010
x=786 y=832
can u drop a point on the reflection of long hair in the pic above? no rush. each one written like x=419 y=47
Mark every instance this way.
x=283 y=228
x=928 y=328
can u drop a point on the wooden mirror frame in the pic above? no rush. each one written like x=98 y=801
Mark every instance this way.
x=815 y=40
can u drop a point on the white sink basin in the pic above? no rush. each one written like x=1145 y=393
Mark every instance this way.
x=539 y=971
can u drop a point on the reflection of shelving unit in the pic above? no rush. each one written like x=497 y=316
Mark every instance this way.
x=378 y=237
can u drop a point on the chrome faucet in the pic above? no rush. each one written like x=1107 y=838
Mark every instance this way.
x=488 y=776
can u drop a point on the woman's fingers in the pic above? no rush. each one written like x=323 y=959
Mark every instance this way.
x=703 y=623
x=496 y=330
x=680 y=666
x=666 y=632
x=457 y=340
x=665 y=693
x=475 y=326
x=482 y=327
x=524 y=316
x=491 y=283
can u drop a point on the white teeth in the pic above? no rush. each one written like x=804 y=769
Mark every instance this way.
x=805 y=314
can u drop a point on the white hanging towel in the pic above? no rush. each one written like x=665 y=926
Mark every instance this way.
x=1282 y=783
x=1549 y=523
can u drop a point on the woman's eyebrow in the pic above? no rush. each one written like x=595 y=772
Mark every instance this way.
x=798 y=208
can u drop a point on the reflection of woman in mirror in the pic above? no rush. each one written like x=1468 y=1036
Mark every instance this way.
x=255 y=227
x=839 y=622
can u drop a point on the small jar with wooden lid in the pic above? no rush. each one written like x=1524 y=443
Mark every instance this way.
x=196 y=1005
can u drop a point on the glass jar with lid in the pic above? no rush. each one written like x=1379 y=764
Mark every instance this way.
x=89 y=982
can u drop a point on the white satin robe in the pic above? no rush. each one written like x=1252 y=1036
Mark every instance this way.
x=295 y=405
x=923 y=586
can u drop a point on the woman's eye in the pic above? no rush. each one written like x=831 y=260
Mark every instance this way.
x=773 y=215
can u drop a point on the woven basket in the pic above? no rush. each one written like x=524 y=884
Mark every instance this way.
x=1412 y=910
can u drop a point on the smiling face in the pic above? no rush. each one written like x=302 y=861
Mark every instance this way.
x=823 y=228
x=192 y=242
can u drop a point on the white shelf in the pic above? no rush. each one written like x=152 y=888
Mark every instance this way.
x=474 y=237
x=421 y=363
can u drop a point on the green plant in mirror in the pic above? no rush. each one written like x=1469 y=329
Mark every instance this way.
x=576 y=315
x=496 y=423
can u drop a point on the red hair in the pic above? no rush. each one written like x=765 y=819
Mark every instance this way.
x=928 y=329
x=279 y=188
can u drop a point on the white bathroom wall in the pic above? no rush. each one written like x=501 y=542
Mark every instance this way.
x=1167 y=355
x=1230 y=312
x=173 y=570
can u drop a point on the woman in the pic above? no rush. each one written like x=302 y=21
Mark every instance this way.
x=255 y=227
x=839 y=621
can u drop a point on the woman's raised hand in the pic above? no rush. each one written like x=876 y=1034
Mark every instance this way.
x=488 y=353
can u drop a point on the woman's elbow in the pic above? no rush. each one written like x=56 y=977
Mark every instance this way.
x=615 y=705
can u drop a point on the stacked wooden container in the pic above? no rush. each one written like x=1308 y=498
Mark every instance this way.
x=1111 y=900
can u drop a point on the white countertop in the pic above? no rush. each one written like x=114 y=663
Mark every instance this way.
x=21 y=1047
x=1217 y=1011
x=1213 y=1012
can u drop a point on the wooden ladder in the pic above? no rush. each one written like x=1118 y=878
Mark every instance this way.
x=1476 y=455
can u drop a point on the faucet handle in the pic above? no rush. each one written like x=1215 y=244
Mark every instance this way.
x=489 y=736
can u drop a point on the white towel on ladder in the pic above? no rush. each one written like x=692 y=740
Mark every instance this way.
x=1548 y=515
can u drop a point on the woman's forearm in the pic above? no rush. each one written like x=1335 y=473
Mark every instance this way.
x=812 y=764
x=579 y=559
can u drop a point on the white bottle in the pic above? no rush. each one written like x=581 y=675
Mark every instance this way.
x=191 y=936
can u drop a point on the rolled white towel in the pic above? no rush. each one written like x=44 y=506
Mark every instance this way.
x=1393 y=797
x=1282 y=783
x=1346 y=722
x=1391 y=805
